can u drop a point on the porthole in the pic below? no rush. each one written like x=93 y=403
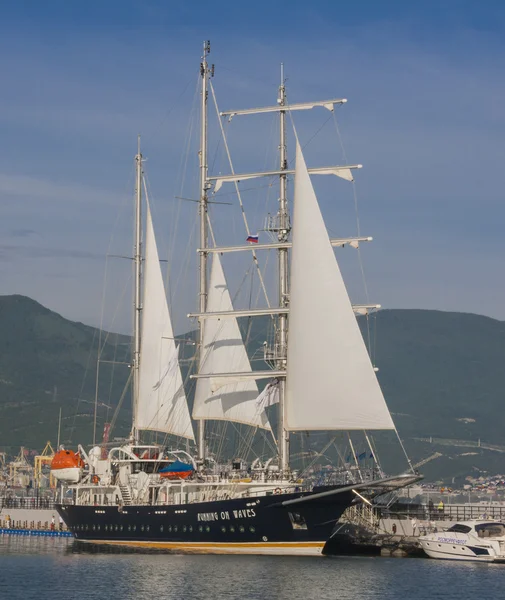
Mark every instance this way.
x=232 y=529
x=175 y=528
x=98 y=527
x=129 y=527
x=223 y=529
x=170 y=528
x=147 y=527
x=106 y=527
x=207 y=529
x=120 y=528
x=134 y=528
x=191 y=528
x=241 y=529
x=200 y=528
x=116 y=527
x=184 y=528
x=161 y=527
x=94 y=527
x=142 y=528
x=252 y=529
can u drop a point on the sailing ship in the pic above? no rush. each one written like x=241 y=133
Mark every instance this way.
x=147 y=496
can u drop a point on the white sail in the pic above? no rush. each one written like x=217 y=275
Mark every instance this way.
x=330 y=381
x=161 y=403
x=224 y=351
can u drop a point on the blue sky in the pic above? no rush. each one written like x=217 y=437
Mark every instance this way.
x=425 y=116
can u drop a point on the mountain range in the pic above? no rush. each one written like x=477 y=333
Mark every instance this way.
x=441 y=372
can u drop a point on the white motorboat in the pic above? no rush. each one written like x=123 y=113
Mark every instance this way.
x=482 y=541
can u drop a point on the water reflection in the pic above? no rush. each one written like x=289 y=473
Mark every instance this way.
x=39 y=568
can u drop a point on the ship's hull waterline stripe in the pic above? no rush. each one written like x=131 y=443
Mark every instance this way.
x=307 y=548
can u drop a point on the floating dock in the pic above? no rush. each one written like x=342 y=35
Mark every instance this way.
x=36 y=532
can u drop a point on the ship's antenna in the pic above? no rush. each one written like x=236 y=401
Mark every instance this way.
x=137 y=258
x=205 y=72
x=283 y=229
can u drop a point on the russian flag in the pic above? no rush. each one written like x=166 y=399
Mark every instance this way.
x=253 y=239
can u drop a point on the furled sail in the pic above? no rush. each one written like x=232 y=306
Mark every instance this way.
x=330 y=381
x=161 y=403
x=224 y=351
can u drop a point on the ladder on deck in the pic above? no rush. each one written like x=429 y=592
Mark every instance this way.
x=125 y=494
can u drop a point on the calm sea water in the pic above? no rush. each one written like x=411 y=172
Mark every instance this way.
x=58 y=569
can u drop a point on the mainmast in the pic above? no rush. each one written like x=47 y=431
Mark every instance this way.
x=283 y=228
x=137 y=258
x=205 y=72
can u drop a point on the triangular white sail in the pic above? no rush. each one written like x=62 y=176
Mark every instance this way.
x=330 y=382
x=224 y=351
x=161 y=404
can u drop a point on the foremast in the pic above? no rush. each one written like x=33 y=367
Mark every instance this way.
x=205 y=73
x=137 y=259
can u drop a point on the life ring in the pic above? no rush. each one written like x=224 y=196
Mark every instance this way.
x=95 y=479
x=277 y=491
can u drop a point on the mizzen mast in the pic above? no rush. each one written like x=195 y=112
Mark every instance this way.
x=137 y=260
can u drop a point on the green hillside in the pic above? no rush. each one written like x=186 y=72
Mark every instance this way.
x=48 y=362
x=442 y=374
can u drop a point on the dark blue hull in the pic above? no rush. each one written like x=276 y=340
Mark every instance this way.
x=254 y=525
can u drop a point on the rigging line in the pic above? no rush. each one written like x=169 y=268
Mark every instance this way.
x=374 y=454
x=318 y=455
x=246 y=440
x=186 y=258
x=405 y=451
x=375 y=340
x=237 y=189
x=368 y=336
x=114 y=316
x=312 y=137
x=266 y=200
x=358 y=226
x=79 y=397
x=264 y=81
x=353 y=452
x=242 y=190
x=120 y=402
x=373 y=448
x=112 y=378
x=341 y=458
x=183 y=166
x=102 y=311
x=164 y=118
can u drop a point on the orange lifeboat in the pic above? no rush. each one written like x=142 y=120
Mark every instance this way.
x=178 y=475
x=67 y=466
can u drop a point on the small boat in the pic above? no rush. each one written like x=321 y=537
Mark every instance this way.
x=67 y=466
x=177 y=470
x=482 y=541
